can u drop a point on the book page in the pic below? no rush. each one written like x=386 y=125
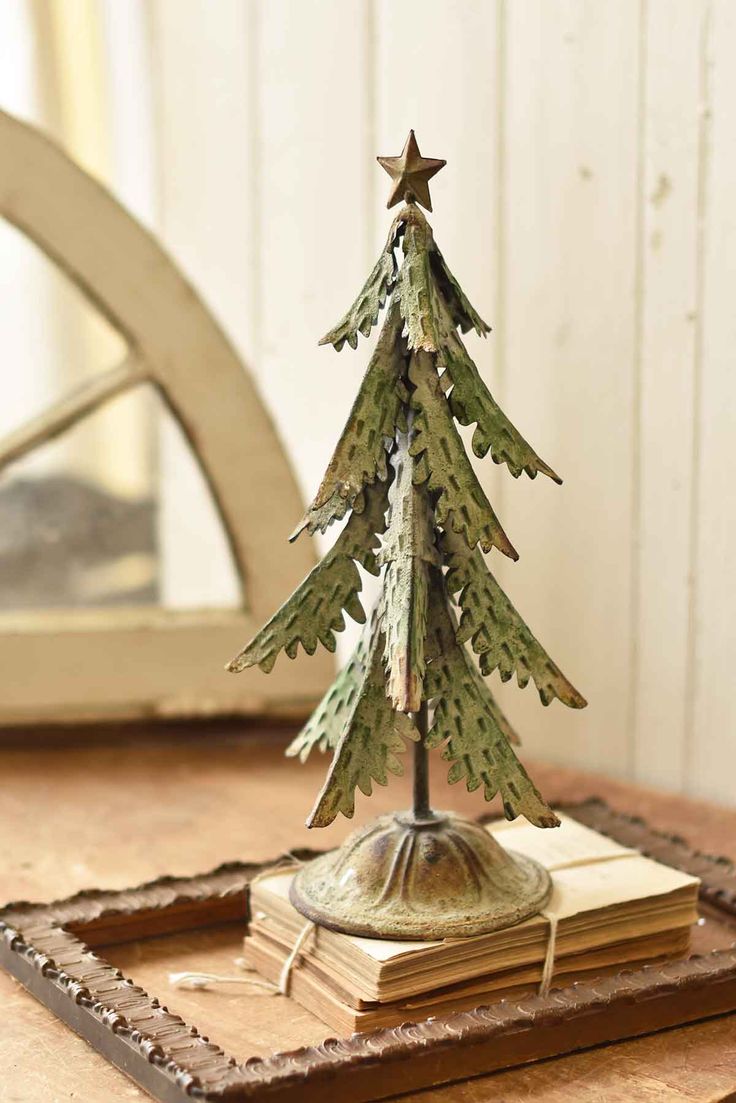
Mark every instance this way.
x=557 y=847
x=604 y=884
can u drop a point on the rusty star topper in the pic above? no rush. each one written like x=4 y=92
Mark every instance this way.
x=411 y=174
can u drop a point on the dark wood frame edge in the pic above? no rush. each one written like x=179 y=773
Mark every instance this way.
x=48 y=948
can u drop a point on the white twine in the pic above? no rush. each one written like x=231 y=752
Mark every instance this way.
x=285 y=974
x=549 y=957
x=202 y=981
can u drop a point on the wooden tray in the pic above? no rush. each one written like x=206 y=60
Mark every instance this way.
x=48 y=948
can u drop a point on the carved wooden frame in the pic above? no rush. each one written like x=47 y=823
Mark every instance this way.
x=126 y=663
x=48 y=948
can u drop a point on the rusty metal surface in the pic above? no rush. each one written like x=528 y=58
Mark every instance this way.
x=406 y=878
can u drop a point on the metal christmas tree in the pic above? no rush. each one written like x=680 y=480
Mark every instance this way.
x=419 y=515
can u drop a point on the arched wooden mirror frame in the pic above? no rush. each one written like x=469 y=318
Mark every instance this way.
x=112 y=663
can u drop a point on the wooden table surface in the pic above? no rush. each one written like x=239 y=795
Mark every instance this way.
x=116 y=809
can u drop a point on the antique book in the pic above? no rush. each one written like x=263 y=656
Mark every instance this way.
x=609 y=905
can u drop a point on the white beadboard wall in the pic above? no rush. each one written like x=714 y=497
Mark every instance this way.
x=589 y=209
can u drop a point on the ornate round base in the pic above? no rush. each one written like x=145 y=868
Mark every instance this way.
x=440 y=877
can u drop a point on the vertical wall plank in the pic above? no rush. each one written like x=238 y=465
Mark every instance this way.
x=570 y=208
x=673 y=120
x=710 y=752
x=205 y=106
x=316 y=249
x=204 y=78
x=438 y=72
x=314 y=99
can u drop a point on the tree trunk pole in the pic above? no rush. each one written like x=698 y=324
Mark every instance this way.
x=421 y=810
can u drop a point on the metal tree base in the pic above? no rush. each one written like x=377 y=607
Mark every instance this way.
x=420 y=878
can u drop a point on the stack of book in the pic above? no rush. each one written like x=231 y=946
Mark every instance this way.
x=609 y=906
